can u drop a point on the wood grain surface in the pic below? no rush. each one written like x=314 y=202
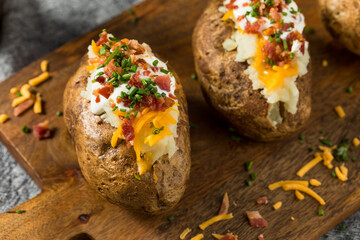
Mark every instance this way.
x=68 y=209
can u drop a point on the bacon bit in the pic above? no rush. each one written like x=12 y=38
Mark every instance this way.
x=229 y=237
x=106 y=91
x=142 y=63
x=255 y=219
x=172 y=96
x=261 y=237
x=252 y=28
x=262 y=200
x=128 y=130
x=101 y=80
x=231 y=5
x=70 y=172
x=139 y=49
x=135 y=80
x=97 y=99
x=275 y=14
x=224 y=208
x=163 y=82
x=240 y=18
x=22 y=107
x=102 y=39
x=154 y=69
x=41 y=131
x=146 y=73
x=110 y=68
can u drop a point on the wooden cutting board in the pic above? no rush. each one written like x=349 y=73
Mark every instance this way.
x=67 y=209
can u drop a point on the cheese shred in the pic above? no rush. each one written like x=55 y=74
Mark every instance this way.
x=3 y=118
x=309 y=166
x=277 y=205
x=198 y=237
x=41 y=78
x=340 y=175
x=37 y=105
x=217 y=236
x=299 y=195
x=214 y=220
x=276 y=185
x=314 y=182
x=304 y=189
x=185 y=233
x=340 y=111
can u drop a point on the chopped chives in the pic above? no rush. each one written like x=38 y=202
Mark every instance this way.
x=248 y=182
x=112 y=55
x=253 y=176
x=155 y=63
x=248 y=165
x=193 y=76
x=321 y=212
x=164 y=71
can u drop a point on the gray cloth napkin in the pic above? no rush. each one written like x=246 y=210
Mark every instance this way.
x=32 y=28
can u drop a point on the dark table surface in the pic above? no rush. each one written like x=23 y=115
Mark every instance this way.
x=30 y=29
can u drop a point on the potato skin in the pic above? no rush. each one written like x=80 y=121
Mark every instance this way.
x=229 y=90
x=342 y=20
x=110 y=171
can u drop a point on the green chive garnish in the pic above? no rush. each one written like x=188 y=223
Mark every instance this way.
x=321 y=212
x=25 y=129
x=131 y=11
x=235 y=138
x=59 y=113
x=171 y=218
x=326 y=142
x=137 y=177
x=112 y=55
x=18 y=93
x=349 y=89
x=253 y=176
x=285 y=45
x=193 y=125
x=248 y=165
x=193 y=76
x=155 y=63
x=164 y=71
x=114 y=109
x=248 y=182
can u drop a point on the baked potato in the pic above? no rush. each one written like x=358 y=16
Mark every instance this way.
x=342 y=20
x=253 y=66
x=127 y=115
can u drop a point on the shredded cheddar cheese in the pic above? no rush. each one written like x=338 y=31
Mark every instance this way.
x=340 y=175
x=304 y=189
x=185 y=233
x=115 y=137
x=315 y=182
x=299 y=195
x=90 y=67
x=39 y=79
x=14 y=90
x=3 y=118
x=26 y=94
x=37 y=105
x=274 y=77
x=309 y=166
x=217 y=236
x=277 y=205
x=340 y=111
x=198 y=237
x=325 y=63
x=292 y=218
x=214 y=220
x=44 y=65
x=95 y=48
x=344 y=170
x=276 y=185
x=227 y=15
x=356 y=142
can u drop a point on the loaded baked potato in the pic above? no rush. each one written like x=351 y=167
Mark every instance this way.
x=127 y=116
x=253 y=65
x=342 y=19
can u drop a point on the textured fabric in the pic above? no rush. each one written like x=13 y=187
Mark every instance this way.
x=33 y=28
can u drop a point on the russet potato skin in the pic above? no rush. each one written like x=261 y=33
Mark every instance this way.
x=342 y=20
x=229 y=90
x=110 y=171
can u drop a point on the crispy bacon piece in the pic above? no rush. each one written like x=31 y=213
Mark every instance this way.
x=154 y=69
x=252 y=28
x=163 y=82
x=139 y=49
x=261 y=237
x=128 y=130
x=102 y=39
x=224 y=205
x=255 y=219
x=110 y=68
x=231 y=5
x=156 y=104
x=101 y=80
x=274 y=14
x=135 y=80
x=141 y=63
x=106 y=91
x=172 y=96
x=41 y=131
x=229 y=237
x=262 y=200
x=22 y=107
x=146 y=73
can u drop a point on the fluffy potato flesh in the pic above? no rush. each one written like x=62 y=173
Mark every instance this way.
x=342 y=19
x=228 y=89
x=113 y=172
